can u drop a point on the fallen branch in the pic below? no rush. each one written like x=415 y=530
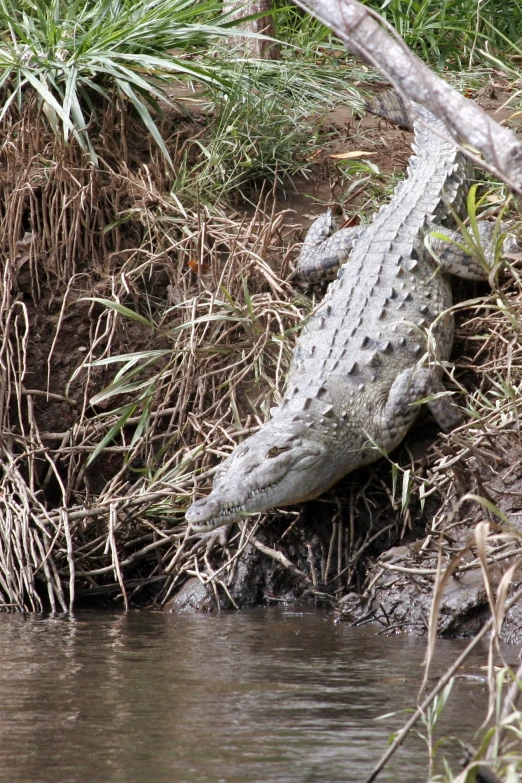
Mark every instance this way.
x=363 y=33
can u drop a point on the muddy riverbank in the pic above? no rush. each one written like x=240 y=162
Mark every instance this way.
x=107 y=271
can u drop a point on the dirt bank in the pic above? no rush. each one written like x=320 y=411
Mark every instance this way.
x=203 y=349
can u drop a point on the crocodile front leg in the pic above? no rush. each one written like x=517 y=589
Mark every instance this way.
x=323 y=254
x=401 y=408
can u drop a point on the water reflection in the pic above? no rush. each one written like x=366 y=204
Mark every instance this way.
x=262 y=696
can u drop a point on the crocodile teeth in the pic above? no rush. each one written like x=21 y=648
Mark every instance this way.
x=226 y=512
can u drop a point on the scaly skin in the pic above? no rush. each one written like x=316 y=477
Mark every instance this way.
x=371 y=350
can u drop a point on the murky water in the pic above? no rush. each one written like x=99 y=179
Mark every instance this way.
x=250 y=697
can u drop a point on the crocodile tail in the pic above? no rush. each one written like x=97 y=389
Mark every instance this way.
x=391 y=107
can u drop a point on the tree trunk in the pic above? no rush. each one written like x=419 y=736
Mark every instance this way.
x=255 y=47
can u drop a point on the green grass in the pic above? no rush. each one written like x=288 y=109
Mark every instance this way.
x=444 y=33
x=71 y=55
x=456 y=33
x=78 y=57
x=265 y=129
x=302 y=30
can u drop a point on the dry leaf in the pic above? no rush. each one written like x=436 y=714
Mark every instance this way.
x=352 y=154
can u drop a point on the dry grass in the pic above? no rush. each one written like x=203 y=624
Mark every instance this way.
x=474 y=538
x=211 y=315
x=188 y=358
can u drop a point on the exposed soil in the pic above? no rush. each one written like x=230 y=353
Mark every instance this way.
x=342 y=550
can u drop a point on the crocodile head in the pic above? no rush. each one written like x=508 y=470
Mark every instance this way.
x=284 y=463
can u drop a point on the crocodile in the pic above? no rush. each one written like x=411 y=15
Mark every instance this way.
x=372 y=351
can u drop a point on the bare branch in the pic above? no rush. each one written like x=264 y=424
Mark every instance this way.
x=363 y=33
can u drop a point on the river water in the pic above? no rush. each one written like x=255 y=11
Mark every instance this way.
x=263 y=696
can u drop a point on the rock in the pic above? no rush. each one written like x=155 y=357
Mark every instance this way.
x=194 y=596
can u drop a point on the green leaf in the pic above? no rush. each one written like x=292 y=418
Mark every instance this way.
x=114 y=430
x=126 y=312
x=489 y=505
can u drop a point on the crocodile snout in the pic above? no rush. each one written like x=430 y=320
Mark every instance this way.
x=201 y=511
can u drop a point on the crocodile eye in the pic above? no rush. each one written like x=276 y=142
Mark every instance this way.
x=275 y=450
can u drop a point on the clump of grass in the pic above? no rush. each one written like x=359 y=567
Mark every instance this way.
x=78 y=58
x=265 y=130
x=302 y=30
x=74 y=55
x=454 y=33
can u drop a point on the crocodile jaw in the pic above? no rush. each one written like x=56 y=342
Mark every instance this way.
x=282 y=464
